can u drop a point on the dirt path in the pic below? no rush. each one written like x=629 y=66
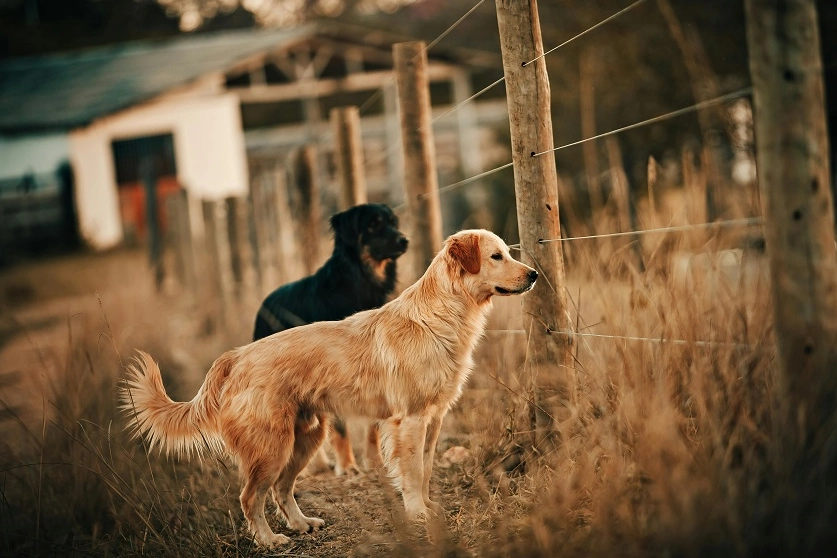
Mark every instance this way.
x=108 y=300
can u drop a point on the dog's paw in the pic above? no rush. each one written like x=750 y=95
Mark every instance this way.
x=435 y=508
x=318 y=465
x=314 y=523
x=352 y=470
x=305 y=524
x=418 y=514
x=271 y=540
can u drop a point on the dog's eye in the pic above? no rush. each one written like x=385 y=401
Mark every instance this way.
x=498 y=256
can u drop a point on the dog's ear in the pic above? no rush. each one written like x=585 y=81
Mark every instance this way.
x=466 y=252
x=345 y=227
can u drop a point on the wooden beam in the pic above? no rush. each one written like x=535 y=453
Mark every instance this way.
x=324 y=87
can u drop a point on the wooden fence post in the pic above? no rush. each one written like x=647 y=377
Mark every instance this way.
x=285 y=250
x=793 y=175
x=421 y=184
x=152 y=221
x=307 y=197
x=549 y=361
x=234 y=236
x=215 y=252
x=180 y=226
x=259 y=234
x=348 y=150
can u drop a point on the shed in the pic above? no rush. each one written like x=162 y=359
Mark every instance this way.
x=207 y=112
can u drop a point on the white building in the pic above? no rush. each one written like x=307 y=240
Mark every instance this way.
x=205 y=112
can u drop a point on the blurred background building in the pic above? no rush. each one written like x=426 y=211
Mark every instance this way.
x=99 y=98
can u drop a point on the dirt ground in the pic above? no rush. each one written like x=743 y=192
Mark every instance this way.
x=42 y=304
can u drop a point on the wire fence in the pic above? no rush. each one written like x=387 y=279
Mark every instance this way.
x=679 y=112
x=749 y=222
x=660 y=340
x=719 y=224
x=364 y=107
x=705 y=104
x=380 y=91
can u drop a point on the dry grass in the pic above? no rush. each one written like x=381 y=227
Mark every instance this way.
x=670 y=452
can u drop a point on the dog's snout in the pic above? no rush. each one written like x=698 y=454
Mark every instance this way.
x=403 y=242
x=533 y=276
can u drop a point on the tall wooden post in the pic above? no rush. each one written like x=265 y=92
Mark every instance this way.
x=234 y=237
x=348 y=150
x=152 y=221
x=217 y=250
x=285 y=249
x=704 y=84
x=549 y=359
x=260 y=235
x=420 y=182
x=392 y=135
x=307 y=184
x=180 y=225
x=793 y=175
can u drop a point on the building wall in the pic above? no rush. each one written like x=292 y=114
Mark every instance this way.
x=209 y=152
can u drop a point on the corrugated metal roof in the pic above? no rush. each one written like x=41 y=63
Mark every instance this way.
x=64 y=91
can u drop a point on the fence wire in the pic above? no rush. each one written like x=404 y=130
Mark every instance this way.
x=502 y=79
x=568 y=41
x=748 y=222
x=661 y=340
x=679 y=112
x=377 y=95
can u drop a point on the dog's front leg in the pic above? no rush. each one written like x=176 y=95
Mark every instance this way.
x=411 y=437
x=433 y=429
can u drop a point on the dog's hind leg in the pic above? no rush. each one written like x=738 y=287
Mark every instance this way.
x=344 y=456
x=320 y=463
x=260 y=475
x=263 y=451
x=306 y=443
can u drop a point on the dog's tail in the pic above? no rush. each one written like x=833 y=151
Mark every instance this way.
x=178 y=428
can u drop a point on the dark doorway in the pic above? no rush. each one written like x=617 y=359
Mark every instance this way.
x=138 y=160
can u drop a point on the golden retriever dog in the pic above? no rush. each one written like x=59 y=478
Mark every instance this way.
x=267 y=404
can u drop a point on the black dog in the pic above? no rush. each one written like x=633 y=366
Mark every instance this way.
x=359 y=275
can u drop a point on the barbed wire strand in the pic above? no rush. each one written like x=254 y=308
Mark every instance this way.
x=661 y=340
x=456 y=107
x=453 y=26
x=614 y=16
x=748 y=222
x=375 y=96
x=473 y=178
x=503 y=78
x=697 y=106
x=468 y=100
